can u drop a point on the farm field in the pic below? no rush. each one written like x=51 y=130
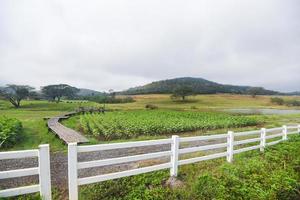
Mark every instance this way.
x=35 y=132
x=130 y=124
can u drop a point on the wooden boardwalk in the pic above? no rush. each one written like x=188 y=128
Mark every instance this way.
x=66 y=134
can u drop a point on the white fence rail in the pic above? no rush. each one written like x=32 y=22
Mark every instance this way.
x=43 y=170
x=240 y=140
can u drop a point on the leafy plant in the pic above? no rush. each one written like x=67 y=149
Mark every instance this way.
x=127 y=124
x=10 y=130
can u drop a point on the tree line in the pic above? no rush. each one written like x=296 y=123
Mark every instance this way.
x=16 y=93
x=54 y=93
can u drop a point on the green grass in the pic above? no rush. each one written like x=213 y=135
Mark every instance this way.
x=35 y=132
x=273 y=175
x=129 y=124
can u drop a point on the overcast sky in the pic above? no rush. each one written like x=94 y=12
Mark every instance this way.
x=103 y=44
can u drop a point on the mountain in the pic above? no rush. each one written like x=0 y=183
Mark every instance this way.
x=297 y=93
x=88 y=92
x=199 y=85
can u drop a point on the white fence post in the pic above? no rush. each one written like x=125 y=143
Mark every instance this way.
x=44 y=172
x=230 y=139
x=262 y=139
x=284 y=131
x=299 y=128
x=72 y=171
x=174 y=156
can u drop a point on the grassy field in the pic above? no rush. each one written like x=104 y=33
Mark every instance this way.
x=35 y=132
x=273 y=175
x=32 y=114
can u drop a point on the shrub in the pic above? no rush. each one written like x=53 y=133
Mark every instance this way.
x=151 y=106
x=293 y=103
x=10 y=130
x=277 y=100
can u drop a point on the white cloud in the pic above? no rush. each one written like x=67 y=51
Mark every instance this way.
x=121 y=43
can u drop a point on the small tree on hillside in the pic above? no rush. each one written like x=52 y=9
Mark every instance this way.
x=254 y=91
x=16 y=93
x=182 y=92
x=56 y=92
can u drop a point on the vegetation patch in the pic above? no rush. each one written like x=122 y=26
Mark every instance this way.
x=274 y=175
x=281 y=101
x=10 y=130
x=127 y=124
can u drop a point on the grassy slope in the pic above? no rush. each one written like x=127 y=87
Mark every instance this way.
x=272 y=175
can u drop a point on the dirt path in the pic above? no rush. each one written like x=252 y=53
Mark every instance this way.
x=59 y=164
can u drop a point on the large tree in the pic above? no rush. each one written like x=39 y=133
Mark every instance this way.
x=183 y=91
x=16 y=93
x=56 y=92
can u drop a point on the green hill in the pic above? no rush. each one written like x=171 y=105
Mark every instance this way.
x=199 y=85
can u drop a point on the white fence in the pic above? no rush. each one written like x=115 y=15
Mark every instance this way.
x=43 y=170
x=232 y=140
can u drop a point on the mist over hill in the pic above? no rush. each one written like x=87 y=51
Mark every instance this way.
x=199 y=85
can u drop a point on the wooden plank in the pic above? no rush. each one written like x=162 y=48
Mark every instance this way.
x=102 y=147
x=100 y=178
x=247 y=133
x=201 y=138
x=18 y=154
x=119 y=160
x=202 y=148
x=202 y=158
x=19 y=191
x=19 y=173
x=66 y=134
x=246 y=149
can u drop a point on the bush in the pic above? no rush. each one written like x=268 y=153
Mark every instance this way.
x=10 y=130
x=292 y=103
x=277 y=100
x=109 y=99
x=151 y=106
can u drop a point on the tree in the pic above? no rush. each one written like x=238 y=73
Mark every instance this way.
x=16 y=93
x=112 y=93
x=56 y=92
x=254 y=91
x=183 y=91
x=277 y=100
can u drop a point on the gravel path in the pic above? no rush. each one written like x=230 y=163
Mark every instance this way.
x=59 y=164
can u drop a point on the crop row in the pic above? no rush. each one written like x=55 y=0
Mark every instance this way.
x=127 y=124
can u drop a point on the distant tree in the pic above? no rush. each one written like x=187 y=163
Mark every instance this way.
x=182 y=91
x=34 y=95
x=254 y=91
x=16 y=93
x=112 y=93
x=277 y=100
x=56 y=92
